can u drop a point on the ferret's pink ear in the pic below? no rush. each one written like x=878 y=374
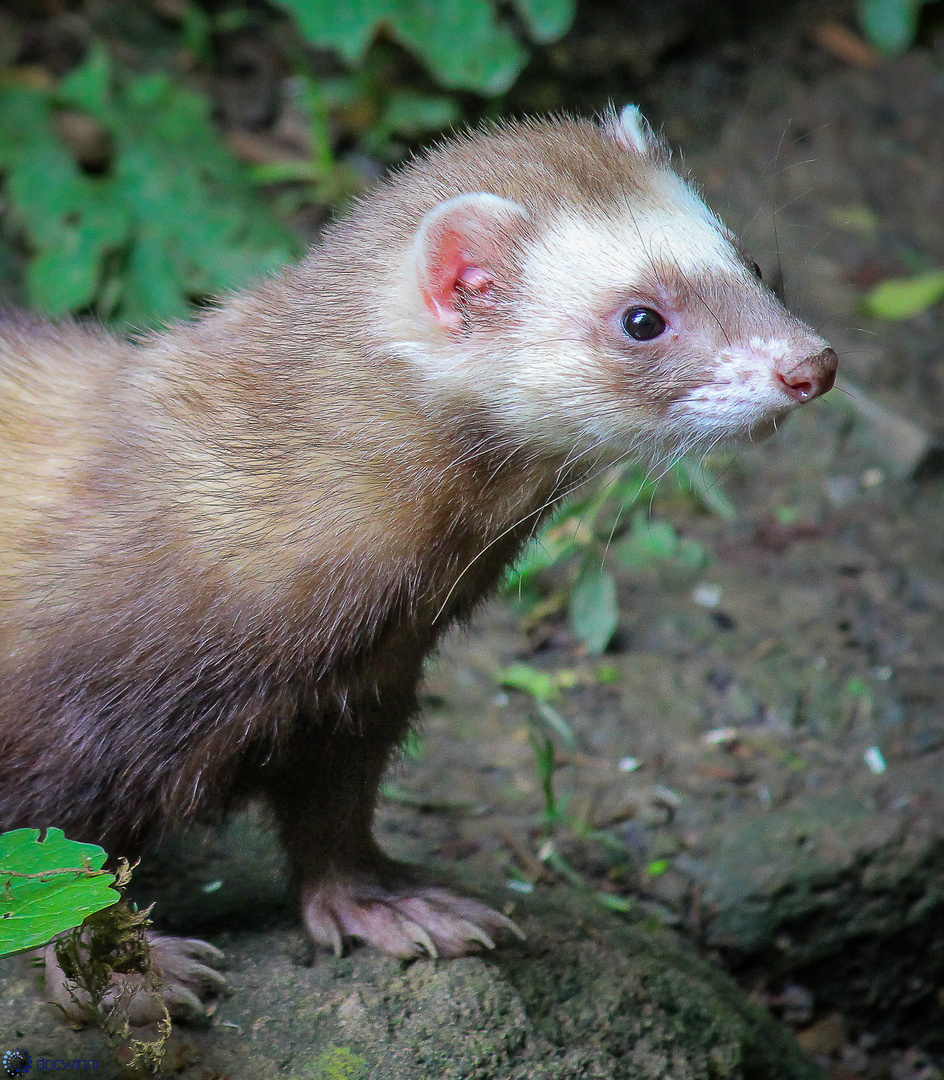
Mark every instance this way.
x=460 y=248
x=632 y=131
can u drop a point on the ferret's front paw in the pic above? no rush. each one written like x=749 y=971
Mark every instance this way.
x=180 y=978
x=412 y=921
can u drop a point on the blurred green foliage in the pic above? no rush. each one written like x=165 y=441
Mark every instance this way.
x=465 y=44
x=172 y=217
x=611 y=522
x=901 y=298
x=168 y=216
x=891 y=25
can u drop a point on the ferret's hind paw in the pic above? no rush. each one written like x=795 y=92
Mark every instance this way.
x=187 y=968
x=182 y=977
x=426 y=921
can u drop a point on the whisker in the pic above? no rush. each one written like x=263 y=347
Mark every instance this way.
x=538 y=513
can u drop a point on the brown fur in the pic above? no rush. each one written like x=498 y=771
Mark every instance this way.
x=225 y=551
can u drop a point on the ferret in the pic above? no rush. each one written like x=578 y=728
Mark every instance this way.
x=227 y=548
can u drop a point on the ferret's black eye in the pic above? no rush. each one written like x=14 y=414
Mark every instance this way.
x=755 y=270
x=642 y=323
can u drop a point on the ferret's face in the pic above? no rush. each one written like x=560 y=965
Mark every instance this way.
x=629 y=323
x=647 y=323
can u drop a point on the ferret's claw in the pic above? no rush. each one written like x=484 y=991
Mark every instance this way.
x=323 y=929
x=476 y=933
x=193 y=948
x=511 y=926
x=402 y=921
x=178 y=980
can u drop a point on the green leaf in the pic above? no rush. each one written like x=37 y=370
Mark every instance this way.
x=648 y=542
x=199 y=227
x=315 y=109
x=339 y=1063
x=539 y=684
x=39 y=900
x=71 y=219
x=659 y=866
x=175 y=219
x=89 y=85
x=901 y=298
x=413 y=114
x=557 y=723
x=690 y=553
x=891 y=25
x=547 y=20
x=463 y=42
x=622 y=904
x=633 y=486
x=652 y=541
x=414 y=746
x=856 y=687
x=594 y=615
x=547 y=550
x=66 y=278
x=700 y=481
x=607 y=674
x=24 y=119
x=348 y=28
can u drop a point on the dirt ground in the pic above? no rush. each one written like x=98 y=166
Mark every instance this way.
x=763 y=744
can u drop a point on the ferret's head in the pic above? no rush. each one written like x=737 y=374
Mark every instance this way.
x=560 y=275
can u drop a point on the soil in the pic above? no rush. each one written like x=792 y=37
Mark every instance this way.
x=764 y=738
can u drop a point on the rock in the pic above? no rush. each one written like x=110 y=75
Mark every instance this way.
x=838 y=893
x=587 y=997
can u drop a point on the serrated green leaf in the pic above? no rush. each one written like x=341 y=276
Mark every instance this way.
x=593 y=613
x=65 y=278
x=348 y=28
x=464 y=43
x=890 y=25
x=547 y=20
x=152 y=282
x=35 y=908
x=199 y=227
x=901 y=298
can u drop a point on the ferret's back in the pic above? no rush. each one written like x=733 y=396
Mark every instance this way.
x=54 y=382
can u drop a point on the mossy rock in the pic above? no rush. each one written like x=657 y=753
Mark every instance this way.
x=586 y=996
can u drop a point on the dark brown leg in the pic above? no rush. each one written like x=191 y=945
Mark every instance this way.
x=324 y=793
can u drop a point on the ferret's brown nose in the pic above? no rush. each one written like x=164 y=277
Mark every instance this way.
x=811 y=377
